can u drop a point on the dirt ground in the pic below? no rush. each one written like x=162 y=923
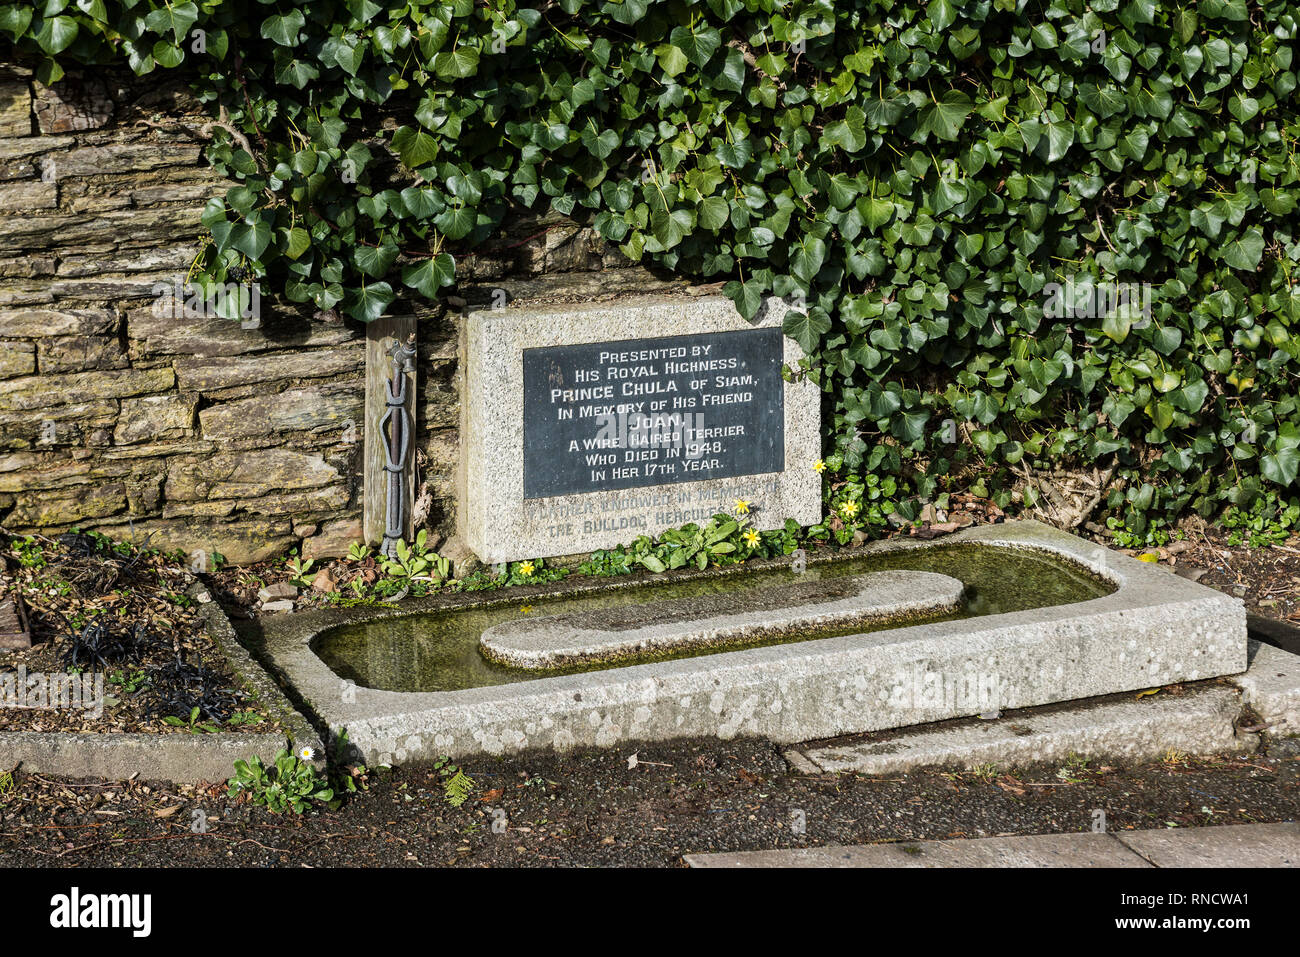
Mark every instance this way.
x=121 y=614
x=601 y=809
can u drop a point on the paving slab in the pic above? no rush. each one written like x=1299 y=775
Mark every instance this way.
x=715 y=621
x=1232 y=845
x=1271 y=686
x=1235 y=845
x=1035 y=850
x=1201 y=722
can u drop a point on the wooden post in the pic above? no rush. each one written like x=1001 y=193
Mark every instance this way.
x=380 y=336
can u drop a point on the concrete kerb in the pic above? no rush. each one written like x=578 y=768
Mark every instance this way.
x=170 y=756
x=1155 y=629
x=255 y=679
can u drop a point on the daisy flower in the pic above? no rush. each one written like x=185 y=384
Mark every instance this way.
x=306 y=753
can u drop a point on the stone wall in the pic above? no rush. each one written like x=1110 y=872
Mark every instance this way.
x=199 y=434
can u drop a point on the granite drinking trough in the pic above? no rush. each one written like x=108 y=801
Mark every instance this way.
x=895 y=634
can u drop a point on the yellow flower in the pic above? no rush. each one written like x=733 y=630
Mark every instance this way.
x=526 y=568
x=849 y=509
x=742 y=507
x=750 y=537
x=819 y=466
x=527 y=609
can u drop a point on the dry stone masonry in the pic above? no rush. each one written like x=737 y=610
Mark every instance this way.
x=197 y=433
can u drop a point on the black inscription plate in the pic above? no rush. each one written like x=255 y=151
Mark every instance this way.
x=613 y=415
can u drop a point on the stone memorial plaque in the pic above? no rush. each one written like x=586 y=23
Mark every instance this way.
x=589 y=424
x=586 y=426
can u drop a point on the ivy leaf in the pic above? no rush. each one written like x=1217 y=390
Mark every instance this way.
x=714 y=213
x=167 y=55
x=1116 y=325
x=672 y=59
x=944 y=118
x=942 y=14
x=849 y=133
x=421 y=203
x=1245 y=251
x=809 y=254
x=415 y=146
x=57 y=34
x=374 y=261
x=734 y=155
x=1184 y=24
x=369 y=302
x=1243 y=107
x=455 y=222
x=430 y=275
x=346 y=51
x=1060 y=137
x=15 y=19
x=732 y=75
x=296 y=242
x=876 y=211
x=456 y=64
x=806 y=328
x=601 y=145
x=178 y=18
x=697 y=47
x=748 y=296
x=669 y=226
x=882 y=111
x=282 y=28
x=251 y=239
x=1281 y=467
x=294 y=73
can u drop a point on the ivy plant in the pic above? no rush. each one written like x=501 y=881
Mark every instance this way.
x=946 y=192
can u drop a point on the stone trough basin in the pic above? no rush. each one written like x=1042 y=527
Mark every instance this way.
x=895 y=634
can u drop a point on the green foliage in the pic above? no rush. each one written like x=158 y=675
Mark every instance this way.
x=29 y=551
x=132 y=681
x=299 y=570
x=858 y=504
x=1267 y=522
x=1150 y=534
x=456 y=784
x=289 y=784
x=244 y=719
x=192 y=724
x=529 y=572
x=344 y=776
x=722 y=540
x=415 y=570
x=912 y=176
x=413 y=566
